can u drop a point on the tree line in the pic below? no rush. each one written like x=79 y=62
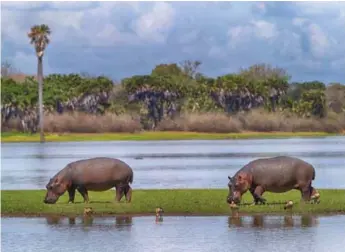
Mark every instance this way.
x=169 y=90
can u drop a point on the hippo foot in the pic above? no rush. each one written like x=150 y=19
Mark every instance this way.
x=70 y=202
x=261 y=201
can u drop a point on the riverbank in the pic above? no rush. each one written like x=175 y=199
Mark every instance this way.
x=9 y=137
x=173 y=201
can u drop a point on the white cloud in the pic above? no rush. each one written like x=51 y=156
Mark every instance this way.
x=305 y=36
x=320 y=8
x=62 y=19
x=154 y=25
x=319 y=41
x=264 y=29
x=257 y=29
x=299 y=21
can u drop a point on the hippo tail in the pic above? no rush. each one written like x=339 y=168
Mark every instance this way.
x=313 y=178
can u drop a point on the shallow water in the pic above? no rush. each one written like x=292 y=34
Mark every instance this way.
x=171 y=164
x=221 y=233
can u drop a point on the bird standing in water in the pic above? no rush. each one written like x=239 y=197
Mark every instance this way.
x=88 y=211
x=159 y=214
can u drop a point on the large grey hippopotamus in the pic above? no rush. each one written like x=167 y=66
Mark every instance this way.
x=277 y=174
x=94 y=174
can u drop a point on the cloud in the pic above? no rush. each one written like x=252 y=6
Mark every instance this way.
x=154 y=25
x=120 y=39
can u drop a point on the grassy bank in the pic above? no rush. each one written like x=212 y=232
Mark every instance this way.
x=186 y=201
x=254 y=124
x=7 y=137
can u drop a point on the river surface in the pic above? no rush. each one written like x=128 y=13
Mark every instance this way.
x=171 y=164
x=140 y=234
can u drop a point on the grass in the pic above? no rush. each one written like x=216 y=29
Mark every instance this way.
x=173 y=201
x=8 y=137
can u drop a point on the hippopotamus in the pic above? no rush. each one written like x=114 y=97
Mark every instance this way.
x=276 y=174
x=94 y=174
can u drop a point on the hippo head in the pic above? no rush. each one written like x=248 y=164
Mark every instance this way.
x=55 y=188
x=238 y=185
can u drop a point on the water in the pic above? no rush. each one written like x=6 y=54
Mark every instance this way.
x=171 y=164
x=221 y=233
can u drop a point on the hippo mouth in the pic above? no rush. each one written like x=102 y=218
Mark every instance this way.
x=50 y=198
x=49 y=201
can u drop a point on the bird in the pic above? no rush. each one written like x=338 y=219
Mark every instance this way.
x=316 y=197
x=233 y=205
x=159 y=214
x=159 y=211
x=234 y=209
x=88 y=211
x=288 y=205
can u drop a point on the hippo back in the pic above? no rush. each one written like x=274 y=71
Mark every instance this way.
x=101 y=170
x=279 y=171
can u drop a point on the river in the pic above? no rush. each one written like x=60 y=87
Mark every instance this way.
x=201 y=234
x=171 y=164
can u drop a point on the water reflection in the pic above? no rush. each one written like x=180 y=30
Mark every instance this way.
x=272 y=222
x=120 y=222
x=178 y=233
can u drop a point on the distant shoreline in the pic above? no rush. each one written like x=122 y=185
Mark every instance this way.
x=9 y=137
x=175 y=202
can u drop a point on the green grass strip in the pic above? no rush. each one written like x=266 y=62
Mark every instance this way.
x=173 y=201
x=7 y=137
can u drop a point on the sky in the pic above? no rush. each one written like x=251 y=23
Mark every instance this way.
x=121 y=39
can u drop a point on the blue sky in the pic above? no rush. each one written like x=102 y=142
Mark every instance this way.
x=120 y=39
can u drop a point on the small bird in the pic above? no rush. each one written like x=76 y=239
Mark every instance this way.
x=88 y=211
x=316 y=198
x=159 y=214
x=288 y=205
x=233 y=205
x=159 y=211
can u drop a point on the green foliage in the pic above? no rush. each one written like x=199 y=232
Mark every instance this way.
x=56 y=87
x=193 y=89
x=307 y=99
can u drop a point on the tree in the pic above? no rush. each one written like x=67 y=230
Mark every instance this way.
x=39 y=37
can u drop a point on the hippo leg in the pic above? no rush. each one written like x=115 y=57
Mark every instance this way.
x=119 y=193
x=257 y=194
x=83 y=193
x=71 y=193
x=128 y=194
x=307 y=192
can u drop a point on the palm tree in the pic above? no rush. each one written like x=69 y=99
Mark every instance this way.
x=39 y=37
